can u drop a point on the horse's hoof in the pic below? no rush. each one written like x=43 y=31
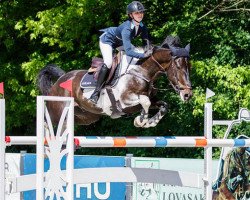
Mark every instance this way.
x=138 y=122
x=135 y=122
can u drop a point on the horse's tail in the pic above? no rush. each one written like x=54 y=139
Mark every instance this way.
x=47 y=76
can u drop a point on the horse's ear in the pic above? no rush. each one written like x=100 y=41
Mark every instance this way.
x=173 y=50
x=165 y=46
x=187 y=48
x=155 y=48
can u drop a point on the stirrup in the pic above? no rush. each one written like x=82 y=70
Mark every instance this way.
x=94 y=98
x=93 y=101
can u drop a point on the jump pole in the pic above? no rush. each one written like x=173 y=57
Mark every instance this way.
x=127 y=142
x=208 y=171
x=2 y=149
x=40 y=149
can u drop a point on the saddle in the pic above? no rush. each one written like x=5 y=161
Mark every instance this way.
x=97 y=63
x=89 y=80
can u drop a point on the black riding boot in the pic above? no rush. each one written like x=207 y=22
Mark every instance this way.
x=100 y=82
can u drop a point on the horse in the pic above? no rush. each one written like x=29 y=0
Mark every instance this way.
x=132 y=93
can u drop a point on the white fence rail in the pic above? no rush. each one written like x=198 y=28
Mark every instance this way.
x=54 y=179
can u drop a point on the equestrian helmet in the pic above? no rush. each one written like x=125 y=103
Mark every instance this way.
x=135 y=6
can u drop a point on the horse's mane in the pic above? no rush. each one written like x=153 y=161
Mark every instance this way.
x=173 y=41
x=169 y=42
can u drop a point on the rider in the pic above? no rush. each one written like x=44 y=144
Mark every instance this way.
x=114 y=37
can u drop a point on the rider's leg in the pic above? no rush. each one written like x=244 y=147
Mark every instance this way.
x=107 y=53
x=100 y=82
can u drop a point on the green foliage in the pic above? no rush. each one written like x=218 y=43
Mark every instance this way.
x=230 y=84
x=35 y=33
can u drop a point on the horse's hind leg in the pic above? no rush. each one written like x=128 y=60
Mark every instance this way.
x=83 y=117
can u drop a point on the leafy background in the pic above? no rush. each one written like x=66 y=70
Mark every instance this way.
x=66 y=32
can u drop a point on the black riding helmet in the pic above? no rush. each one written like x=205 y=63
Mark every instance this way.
x=135 y=6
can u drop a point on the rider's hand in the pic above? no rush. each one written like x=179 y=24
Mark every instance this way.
x=148 y=49
x=148 y=53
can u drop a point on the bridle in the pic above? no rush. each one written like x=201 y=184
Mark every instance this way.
x=178 y=86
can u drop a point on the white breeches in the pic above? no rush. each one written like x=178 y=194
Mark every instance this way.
x=107 y=53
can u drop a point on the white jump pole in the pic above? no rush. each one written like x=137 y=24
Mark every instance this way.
x=40 y=149
x=2 y=149
x=124 y=142
x=208 y=123
x=70 y=147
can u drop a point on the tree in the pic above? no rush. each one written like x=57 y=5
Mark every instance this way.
x=229 y=6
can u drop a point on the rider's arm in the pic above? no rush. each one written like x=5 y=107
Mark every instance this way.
x=127 y=44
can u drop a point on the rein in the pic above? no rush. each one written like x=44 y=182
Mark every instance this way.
x=158 y=64
x=177 y=87
x=133 y=73
x=162 y=71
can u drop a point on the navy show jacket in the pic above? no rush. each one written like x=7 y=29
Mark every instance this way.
x=122 y=36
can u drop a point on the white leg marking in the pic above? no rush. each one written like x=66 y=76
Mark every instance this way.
x=140 y=121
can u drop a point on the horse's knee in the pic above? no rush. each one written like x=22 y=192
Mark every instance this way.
x=144 y=101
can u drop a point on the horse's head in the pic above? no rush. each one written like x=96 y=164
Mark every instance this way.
x=178 y=72
x=174 y=62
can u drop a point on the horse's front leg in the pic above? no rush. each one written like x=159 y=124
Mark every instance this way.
x=141 y=120
x=153 y=121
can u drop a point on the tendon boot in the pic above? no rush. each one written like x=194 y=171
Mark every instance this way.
x=100 y=82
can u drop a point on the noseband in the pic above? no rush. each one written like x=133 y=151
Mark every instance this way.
x=178 y=86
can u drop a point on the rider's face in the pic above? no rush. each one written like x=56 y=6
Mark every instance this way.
x=137 y=16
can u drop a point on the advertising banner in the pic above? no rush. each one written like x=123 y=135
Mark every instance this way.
x=150 y=191
x=94 y=191
x=235 y=164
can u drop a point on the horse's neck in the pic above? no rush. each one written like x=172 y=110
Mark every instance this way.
x=149 y=68
x=152 y=67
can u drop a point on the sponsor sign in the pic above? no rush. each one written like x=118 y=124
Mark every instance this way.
x=94 y=191
x=151 y=191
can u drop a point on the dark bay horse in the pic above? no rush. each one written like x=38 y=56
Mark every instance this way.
x=132 y=92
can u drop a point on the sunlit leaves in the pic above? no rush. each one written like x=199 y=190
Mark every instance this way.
x=231 y=85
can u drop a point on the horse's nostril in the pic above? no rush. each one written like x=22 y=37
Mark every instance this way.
x=186 y=96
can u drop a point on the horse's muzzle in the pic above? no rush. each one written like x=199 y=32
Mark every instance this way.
x=186 y=94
